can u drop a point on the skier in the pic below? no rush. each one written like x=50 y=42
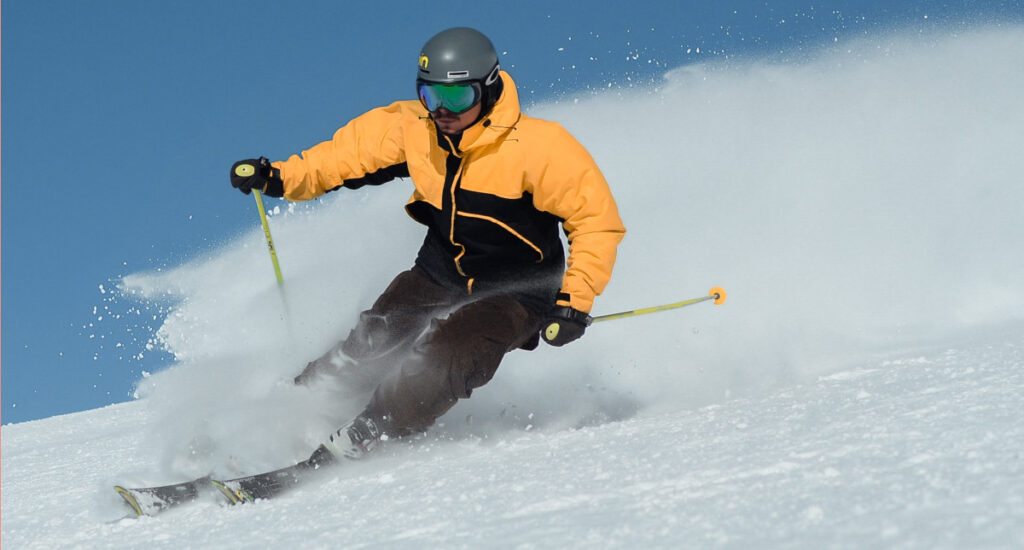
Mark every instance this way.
x=491 y=186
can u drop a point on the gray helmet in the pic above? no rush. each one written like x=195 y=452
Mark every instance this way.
x=458 y=55
x=461 y=55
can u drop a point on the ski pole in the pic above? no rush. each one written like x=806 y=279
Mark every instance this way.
x=717 y=294
x=277 y=266
x=270 y=240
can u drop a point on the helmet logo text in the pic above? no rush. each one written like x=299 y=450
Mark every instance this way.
x=424 y=61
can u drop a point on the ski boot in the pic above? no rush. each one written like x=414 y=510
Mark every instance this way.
x=357 y=438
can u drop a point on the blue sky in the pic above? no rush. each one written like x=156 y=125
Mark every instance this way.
x=121 y=119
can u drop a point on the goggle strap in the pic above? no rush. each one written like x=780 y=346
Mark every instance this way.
x=493 y=76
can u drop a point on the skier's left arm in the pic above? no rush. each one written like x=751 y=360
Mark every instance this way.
x=574 y=189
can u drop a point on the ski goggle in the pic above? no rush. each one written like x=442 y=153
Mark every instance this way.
x=457 y=98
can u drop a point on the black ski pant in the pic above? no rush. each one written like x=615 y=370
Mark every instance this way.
x=422 y=347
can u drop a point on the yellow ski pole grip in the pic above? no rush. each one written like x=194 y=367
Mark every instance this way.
x=245 y=170
x=551 y=332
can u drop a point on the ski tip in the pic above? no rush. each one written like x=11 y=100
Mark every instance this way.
x=130 y=499
x=719 y=294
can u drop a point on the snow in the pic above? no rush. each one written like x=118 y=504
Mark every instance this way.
x=916 y=452
x=862 y=387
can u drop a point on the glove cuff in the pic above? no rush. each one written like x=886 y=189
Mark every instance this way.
x=275 y=185
x=571 y=314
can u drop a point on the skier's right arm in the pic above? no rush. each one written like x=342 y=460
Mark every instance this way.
x=368 y=144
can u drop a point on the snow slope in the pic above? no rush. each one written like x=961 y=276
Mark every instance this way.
x=921 y=450
x=861 y=388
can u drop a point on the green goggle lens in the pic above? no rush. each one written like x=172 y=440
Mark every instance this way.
x=457 y=98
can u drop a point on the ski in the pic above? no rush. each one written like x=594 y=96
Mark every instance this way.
x=271 y=484
x=150 y=501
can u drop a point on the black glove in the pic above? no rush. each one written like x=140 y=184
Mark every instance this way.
x=564 y=324
x=257 y=174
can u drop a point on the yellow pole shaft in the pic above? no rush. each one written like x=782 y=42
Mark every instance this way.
x=655 y=309
x=716 y=294
x=270 y=240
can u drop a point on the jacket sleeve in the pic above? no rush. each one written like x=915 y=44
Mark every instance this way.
x=370 y=142
x=573 y=188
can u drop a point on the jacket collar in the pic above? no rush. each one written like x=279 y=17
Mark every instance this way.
x=501 y=120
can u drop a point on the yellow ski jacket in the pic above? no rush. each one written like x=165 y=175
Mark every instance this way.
x=492 y=198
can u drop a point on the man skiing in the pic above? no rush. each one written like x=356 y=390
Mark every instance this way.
x=491 y=186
